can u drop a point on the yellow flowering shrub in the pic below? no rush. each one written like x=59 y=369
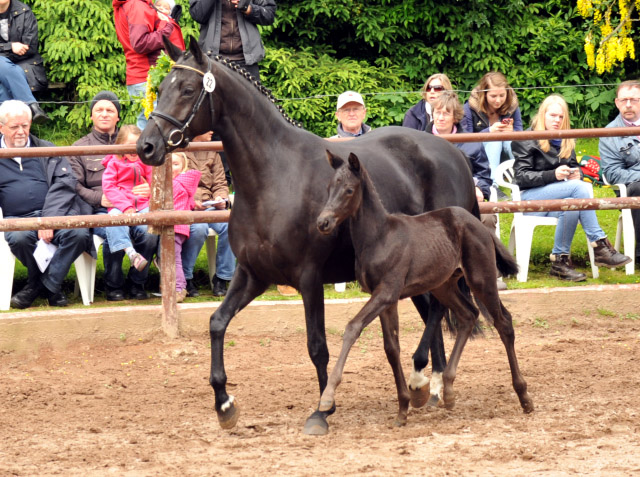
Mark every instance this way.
x=154 y=78
x=608 y=41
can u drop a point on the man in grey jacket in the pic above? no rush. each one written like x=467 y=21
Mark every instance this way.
x=228 y=28
x=620 y=156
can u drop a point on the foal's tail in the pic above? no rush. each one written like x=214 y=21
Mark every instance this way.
x=505 y=262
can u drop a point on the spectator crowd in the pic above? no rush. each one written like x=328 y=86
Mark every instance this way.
x=114 y=185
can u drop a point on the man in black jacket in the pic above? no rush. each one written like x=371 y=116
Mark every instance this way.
x=38 y=187
x=21 y=67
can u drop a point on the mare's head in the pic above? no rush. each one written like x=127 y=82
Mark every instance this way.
x=345 y=192
x=185 y=104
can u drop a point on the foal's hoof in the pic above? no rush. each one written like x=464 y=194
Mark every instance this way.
x=228 y=417
x=400 y=422
x=527 y=406
x=419 y=397
x=316 y=425
x=434 y=400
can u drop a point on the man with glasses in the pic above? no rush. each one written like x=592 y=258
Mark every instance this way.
x=38 y=187
x=351 y=112
x=620 y=156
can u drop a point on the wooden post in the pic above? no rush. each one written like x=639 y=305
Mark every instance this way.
x=162 y=198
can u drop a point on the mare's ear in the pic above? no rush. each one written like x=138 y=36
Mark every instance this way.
x=172 y=50
x=354 y=163
x=334 y=161
x=195 y=50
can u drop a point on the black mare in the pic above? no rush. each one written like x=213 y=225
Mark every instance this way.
x=398 y=256
x=280 y=178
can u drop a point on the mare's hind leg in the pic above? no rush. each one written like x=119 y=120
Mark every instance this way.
x=242 y=290
x=504 y=324
x=466 y=313
x=421 y=389
x=390 y=328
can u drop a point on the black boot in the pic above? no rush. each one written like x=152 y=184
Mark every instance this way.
x=219 y=286
x=561 y=267
x=192 y=290
x=607 y=256
x=38 y=116
x=25 y=297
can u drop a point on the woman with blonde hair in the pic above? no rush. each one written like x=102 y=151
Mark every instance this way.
x=420 y=114
x=547 y=169
x=493 y=107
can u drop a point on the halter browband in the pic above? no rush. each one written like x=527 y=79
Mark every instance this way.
x=180 y=140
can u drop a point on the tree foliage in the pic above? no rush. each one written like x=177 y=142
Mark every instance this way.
x=384 y=49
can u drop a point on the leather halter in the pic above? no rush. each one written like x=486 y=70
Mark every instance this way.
x=176 y=136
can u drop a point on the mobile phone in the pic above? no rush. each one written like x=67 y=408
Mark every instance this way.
x=507 y=120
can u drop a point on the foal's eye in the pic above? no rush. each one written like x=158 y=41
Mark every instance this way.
x=349 y=191
x=188 y=91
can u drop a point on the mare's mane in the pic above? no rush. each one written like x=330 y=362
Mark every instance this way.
x=252 y=79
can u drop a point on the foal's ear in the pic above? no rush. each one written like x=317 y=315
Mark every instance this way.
x=195 y=50
x=172 y=50
x=334 y=161
x=354 y=163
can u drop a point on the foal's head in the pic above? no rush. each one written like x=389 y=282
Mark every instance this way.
x=345 y=192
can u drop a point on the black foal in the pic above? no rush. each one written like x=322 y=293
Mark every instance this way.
x=399 y=256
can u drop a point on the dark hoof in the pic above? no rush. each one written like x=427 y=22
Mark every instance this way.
x=419 y=397
x=433 y=401
x=399 y=422
x=527 y=406
x=316 y=425
x=229 y=418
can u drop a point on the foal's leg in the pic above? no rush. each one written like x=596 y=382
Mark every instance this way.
x=390 y=328
x=374 y=307
x=242 y=290
x=431 y=311
x=467 y=314
x=504 y=324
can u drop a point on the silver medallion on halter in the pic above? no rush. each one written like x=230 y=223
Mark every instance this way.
x=209 y=82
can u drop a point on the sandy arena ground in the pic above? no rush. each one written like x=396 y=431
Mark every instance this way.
x=142 y=406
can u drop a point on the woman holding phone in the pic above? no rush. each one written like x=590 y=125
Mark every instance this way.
x=547 y=169
x=493 y=107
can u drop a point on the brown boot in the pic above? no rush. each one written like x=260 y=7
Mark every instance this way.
x=561 y=267
x=607 y=256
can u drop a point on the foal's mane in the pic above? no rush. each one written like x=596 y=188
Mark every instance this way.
x=256 y=82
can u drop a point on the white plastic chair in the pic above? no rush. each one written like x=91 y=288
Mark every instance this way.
x=86 y=274
x=85 y=277
x=522 y=227
x=493 y=197
x=625 y=230
x=211 y=253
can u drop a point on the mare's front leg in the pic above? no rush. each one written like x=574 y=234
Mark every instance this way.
x=242 y=290
x=422 y=390
x=390 y=329
x=376 y=304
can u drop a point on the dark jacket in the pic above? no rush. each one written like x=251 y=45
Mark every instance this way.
x=480 y=168
x=23 y=28
x=208 y=13
x=89 y=169
x=416 y=117
x=535 y=168
x=61 y=199
x=475 y=120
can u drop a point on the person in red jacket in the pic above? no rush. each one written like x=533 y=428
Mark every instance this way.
x=140 y=29
x=185 y=185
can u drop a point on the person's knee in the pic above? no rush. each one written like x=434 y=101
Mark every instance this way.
x=633 y=189
x=198 y=232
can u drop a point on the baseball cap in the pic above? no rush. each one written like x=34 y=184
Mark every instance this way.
x=349 y=97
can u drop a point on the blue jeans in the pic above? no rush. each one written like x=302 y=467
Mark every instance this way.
x=136 y=90
x=13 y=83
x=567 y=220
x=71 y=243
x=494 y=151
x=144 y=243
x=119 y=237
x=225 y=259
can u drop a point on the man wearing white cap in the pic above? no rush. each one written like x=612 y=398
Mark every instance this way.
x=351 y=112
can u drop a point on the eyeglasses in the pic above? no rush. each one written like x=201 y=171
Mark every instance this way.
x=437 y=88
x=352 y=110
x=442 y=114
x=633 y=101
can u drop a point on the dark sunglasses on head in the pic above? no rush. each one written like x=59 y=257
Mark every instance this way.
x=435 y=88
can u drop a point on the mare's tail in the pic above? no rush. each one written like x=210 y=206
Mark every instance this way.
x=505 y=262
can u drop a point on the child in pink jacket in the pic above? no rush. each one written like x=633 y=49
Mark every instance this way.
x=185 y=185
x=121 y=175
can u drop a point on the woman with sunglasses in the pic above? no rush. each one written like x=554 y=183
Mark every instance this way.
x=493 y=107
x=420 y=114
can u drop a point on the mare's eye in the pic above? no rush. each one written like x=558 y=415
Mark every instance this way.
x=349 y=191
x=188 y=91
